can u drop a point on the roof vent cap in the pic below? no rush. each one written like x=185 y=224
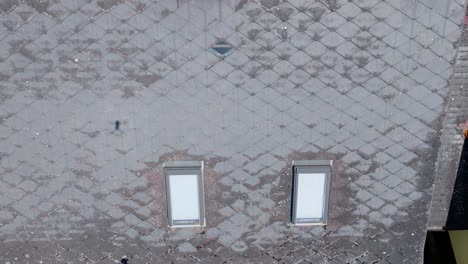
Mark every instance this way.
x=221 y=49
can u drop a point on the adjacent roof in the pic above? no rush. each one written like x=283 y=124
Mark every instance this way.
x=449 y=161
x=458 y=213
x=363 y=83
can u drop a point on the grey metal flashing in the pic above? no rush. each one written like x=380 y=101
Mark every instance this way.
x=183 y=164
x=312 y=162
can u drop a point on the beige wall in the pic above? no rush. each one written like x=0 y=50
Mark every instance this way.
x=459 y=241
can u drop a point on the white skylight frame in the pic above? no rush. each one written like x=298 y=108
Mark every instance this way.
x=310 y=173
x=184 y=190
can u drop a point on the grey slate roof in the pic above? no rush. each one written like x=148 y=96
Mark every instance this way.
x=360 y=82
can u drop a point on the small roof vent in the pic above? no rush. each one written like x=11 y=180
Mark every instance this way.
x=221 y=49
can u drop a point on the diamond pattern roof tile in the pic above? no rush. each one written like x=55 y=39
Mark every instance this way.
x=358 y=82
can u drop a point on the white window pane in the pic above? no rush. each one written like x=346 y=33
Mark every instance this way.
x=310 y=195
x=184 y=197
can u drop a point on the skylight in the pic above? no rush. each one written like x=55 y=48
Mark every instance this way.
x=184 y=191
x=310 y=192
